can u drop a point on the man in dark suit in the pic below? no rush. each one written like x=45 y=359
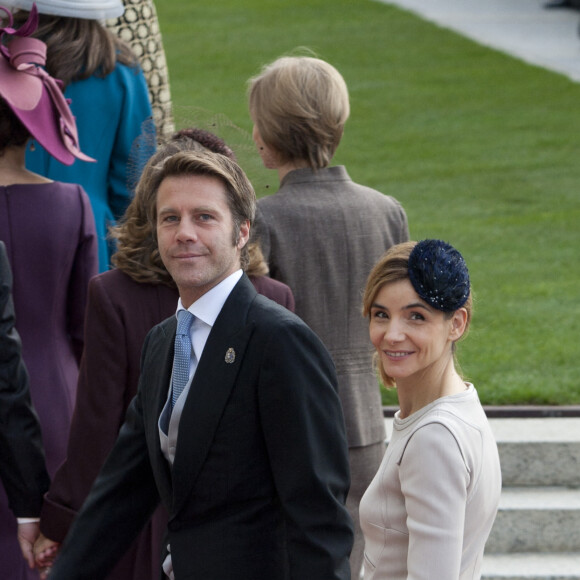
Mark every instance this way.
x=251 y=458
x=22 y=469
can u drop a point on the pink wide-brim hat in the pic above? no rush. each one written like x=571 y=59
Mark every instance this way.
x=87 y=9
x=33 y=95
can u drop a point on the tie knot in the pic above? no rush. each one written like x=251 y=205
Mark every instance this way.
x=184 y=320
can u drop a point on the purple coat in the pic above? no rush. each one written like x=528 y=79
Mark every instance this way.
x=50 y=238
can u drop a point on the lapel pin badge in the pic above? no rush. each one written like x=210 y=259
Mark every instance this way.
x=230 y=356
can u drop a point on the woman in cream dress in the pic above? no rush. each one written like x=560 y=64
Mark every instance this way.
x=430 y=508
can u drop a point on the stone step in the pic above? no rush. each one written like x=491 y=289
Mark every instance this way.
x=535 y=451
x=530 y=519
x=526 y=566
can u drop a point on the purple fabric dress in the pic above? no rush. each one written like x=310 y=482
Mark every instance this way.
x=50 y=238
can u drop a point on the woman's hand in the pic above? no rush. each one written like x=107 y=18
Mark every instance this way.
x=45 y=552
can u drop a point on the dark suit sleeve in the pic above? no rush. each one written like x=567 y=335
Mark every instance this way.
x=305 y=437
x=121 y=501
x=99 y=412
x=22 y=467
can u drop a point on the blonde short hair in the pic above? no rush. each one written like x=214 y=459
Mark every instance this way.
x=300 y=105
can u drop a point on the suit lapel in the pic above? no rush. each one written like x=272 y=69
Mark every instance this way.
x=158 y=375
x=211 y=387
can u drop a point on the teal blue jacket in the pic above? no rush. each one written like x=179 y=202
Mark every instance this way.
x=111 y=114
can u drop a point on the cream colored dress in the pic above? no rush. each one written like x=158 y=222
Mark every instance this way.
x=430 y=508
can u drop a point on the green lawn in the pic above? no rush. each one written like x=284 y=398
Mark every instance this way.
x=481 y=150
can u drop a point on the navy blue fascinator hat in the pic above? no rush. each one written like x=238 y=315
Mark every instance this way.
x=439 y=275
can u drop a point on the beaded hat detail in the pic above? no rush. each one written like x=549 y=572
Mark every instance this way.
x=439 y=275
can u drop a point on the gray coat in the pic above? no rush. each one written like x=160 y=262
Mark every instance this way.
x=321 y=234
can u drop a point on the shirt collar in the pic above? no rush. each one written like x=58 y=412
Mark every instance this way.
x=208 y=306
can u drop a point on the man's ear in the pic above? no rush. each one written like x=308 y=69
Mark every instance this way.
x=458 y=324
x=244 y=234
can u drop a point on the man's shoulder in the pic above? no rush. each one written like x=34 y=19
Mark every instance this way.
x=162 y=331
x=265 y=308
x=271 y=316
x=285 y=338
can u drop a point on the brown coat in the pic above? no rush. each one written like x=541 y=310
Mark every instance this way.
x=321 y=234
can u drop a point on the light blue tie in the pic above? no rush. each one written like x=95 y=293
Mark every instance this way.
x=182 y=354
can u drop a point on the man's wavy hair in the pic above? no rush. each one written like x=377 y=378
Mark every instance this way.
x=138 y=254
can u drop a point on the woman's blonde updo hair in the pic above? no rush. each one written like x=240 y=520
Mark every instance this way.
x=300 y=104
